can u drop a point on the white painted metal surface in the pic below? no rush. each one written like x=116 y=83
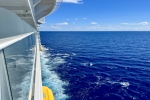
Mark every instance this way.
x=42 y=20
x=5 y=42
x=18 y=20
x=11 y=24
x=34 y=23
x=38 y=95
x=57 y=5
x=31 y=10
x=23 y=9
x=43 y=8
x=35 y=2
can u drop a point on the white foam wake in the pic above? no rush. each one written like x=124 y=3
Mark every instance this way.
x=24 y=86
x=50 y=77
x=19 y=69
x=87 y=64
x=124 y=84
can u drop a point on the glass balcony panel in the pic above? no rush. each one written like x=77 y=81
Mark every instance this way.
x=19 y=61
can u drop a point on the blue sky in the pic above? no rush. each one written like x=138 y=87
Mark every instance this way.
x=100 y=15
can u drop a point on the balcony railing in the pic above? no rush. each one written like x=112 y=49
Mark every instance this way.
x=20 y=70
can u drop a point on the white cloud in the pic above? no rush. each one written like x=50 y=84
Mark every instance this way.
x=61 y=24
x=144 y=23
x=129 y=23
x=84 y=18
x=73 y=1
x=76 y=19
x=55 y=27
x=141 y=23
x=67 y=19
x=94 y=23
x=92 y=28
x=118 y=28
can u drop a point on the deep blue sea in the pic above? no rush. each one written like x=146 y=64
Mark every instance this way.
x=96 y=65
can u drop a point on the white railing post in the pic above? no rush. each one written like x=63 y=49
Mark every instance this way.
x=38 y=95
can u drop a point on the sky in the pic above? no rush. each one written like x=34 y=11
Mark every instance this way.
x=99 y=15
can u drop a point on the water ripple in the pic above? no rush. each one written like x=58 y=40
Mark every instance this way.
x=101 y=65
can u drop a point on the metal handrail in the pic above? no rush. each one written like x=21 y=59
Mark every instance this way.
x=5 y=42
x=38 y=95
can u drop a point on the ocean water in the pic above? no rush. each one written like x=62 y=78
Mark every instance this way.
x=96 y=65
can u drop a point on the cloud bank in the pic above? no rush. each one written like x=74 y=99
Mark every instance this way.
x=141 y=23
x=61 y=24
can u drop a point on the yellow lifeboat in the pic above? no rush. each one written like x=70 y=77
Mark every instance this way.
x=40 y=47
x=47 y=93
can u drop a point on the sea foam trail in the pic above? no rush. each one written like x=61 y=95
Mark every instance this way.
x=20 y=67
x=50 y=77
